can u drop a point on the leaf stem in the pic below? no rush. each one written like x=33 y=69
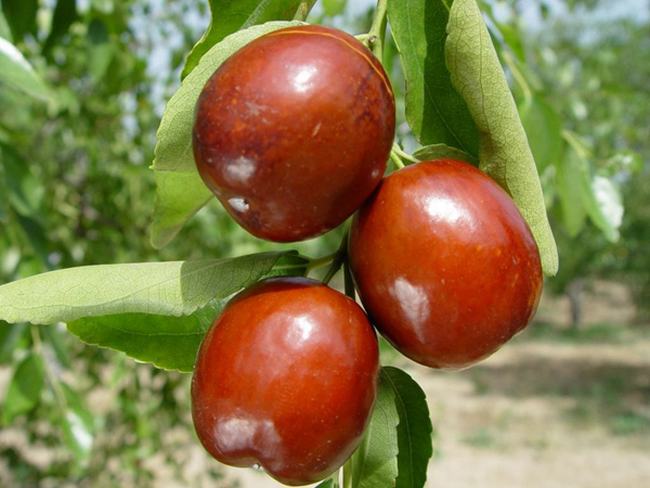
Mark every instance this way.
x=377 y=31
x=303 y=10
x=403 y=154
x=518 y=75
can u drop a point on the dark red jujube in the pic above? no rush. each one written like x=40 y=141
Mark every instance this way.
x=445 y=264
x=286 y=377
x=293 y=132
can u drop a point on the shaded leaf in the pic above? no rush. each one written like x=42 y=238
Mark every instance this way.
x=544 y=130
x=21 y=17
x=77 y=423
x=568 y=180
x=504 y=151
x=25 y=388
x=434 y=110
x=168 y=288
x=166 y=342
x=100 y=49
x=230 y=16
x=414 y=429
x=181 y=192
x=442 y=151
x=65 y=13
x=374 y=464
x=18 y=74
x=327 y=484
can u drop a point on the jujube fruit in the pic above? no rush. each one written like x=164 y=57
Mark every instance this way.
x=445 y=264
x=286 y=378
x=292 y=132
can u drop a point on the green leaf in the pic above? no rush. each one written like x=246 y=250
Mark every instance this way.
x=504 y=152
x=100 y=49
x=397 y=445
x=597 y=195
x=568 y=181
x=78 y=425
x=167 y=342
x=21 y=16
x=24 y=391
x=414 y=429
x=374 y=464
x=434 y=110
x=18 y=74
x=5 y=31
x=25 y=192
x=65 y=13
x=544 y=130
x=10 y=337
x=334 y=7
x=230 y=16
x=168 y=288
x=181 y=192
x=442 y=151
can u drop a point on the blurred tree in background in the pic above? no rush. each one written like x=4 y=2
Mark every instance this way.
x=77 y=133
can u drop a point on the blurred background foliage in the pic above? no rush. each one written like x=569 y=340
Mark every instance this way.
x=82 y=88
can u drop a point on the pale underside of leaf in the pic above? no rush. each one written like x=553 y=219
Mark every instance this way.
x=504 y=150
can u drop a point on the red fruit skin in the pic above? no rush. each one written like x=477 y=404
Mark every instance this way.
x=286 y=378
x=445 y=264
x=292 y=133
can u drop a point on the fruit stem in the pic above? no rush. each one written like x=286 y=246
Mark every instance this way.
x=339 y=258
x=303 y=10
x=403 y=154
x=396 y=160
x=377 y=30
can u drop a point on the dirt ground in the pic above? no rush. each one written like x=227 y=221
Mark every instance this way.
x=552 y=409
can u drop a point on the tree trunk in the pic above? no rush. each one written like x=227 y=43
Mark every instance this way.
x=574 y=292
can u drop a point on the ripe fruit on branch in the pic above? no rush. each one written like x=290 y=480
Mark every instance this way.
x=286 y=377
x=292 y=133
x=445 y=264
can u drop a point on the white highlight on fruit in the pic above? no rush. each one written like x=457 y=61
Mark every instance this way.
x=242 y=433
x=239 y=204
x=240 y=170
x=414 y=302
x=301 y=330
x=446 y=209
x=302 y=78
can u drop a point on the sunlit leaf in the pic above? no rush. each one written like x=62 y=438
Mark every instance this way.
x=169 y=288
x=18 y=74
x=25 y=388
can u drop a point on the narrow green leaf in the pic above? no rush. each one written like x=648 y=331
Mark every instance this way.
x=434 y=110
x=414 y=429
x=334 y=7
x=568 y=181
x=230 y=16
x=598 y=197
x=169 y=288
x=504 y=152
x=25 y=388
x=21 y=16
x=78 y=425
x=100 y=49
x=5 y=31
x=181 y=192
x=65 y=13
x=18 y=74
x=442 y=151
x=544 y=130
x=374 y=464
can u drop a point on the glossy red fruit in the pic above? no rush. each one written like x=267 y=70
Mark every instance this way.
x=445 y=264
x=293 y=132
x=286 y=378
